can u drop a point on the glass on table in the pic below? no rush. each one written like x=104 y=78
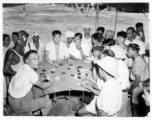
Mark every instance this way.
x=49 y=77
x=60 y=62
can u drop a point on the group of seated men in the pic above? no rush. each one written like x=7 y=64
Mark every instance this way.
x=120 y=66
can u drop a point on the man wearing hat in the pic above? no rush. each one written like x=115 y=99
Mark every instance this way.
x=70 y=37
x=139 y=74
x=87 y=38
x=109 y=34
x=97 y=51
x=109 y=98
x=123 y=79
x=25 y=38
x=37 y=45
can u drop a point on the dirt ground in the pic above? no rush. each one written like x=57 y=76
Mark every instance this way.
x=45 y=19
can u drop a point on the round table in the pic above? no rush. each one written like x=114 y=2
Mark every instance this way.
x=66 y=82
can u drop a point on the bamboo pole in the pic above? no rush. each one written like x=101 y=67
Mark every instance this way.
x=97 y=17
x=115 y=22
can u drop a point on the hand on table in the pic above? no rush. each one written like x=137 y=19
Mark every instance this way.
x=86 y=85
x=55 y=64
x=80 y=61
x=69 y=61
x=86 y=80
x=49 y=77
x=57 y=78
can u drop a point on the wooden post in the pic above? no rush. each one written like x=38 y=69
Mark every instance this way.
x=115 y=22
x=97 y=16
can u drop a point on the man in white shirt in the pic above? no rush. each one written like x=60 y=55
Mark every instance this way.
x=123 y=79
x=78 y=50
x=21 y=97
x=109 y=98
x=87 y=37
x=131 y=39
x=56 y=51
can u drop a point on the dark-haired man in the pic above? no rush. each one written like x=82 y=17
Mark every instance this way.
x=96 y=39
x=139 y=74
x=14 y=57
x=131 y=38
x=108 y=42
x=120 y=40
x=6 y=43
x=78 y=50
x=140 y=31
x=21 y=95
x=56 y=51
x=101 y=31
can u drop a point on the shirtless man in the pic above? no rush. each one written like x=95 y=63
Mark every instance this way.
x=14 y=57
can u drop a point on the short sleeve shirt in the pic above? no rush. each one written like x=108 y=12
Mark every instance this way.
x=123 y=75
x=23 y=81
x=88 y=43
x=139 y=68
x=110 y=97
x=75 y=52
x=63 y=50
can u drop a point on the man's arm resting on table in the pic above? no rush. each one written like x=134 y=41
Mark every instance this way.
x=82 y=53
x=74 y=58
x=95 y=91
x=136 y=83
x=7 y=66
x=44 y=85
x=91 y=84
x=47 y=58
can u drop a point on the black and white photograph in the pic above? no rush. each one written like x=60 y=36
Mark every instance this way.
x=78 y=59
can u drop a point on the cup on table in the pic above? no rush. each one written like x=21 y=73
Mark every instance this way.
x=61 y=62
x=49 y=77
